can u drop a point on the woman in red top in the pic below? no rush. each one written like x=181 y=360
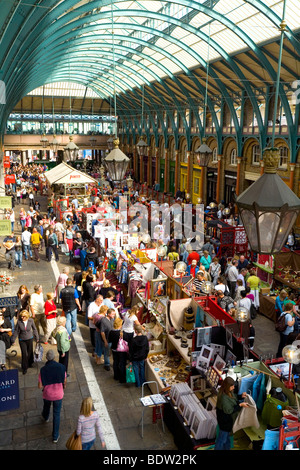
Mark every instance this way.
x=50 y=314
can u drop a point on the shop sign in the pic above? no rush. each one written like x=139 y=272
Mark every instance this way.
x=9 y=390
x=5 y=228
x=5 y=202
x=10 y=179
x=8 y=301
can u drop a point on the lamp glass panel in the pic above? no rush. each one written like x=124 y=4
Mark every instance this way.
x=268 y=224
x=287 y=222
x=249 y=222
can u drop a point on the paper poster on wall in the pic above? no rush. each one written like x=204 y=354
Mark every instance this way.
x=133 y=242
x=113 y=240
x=97 y=231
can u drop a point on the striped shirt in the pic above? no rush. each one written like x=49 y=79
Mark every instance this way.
x=198 y=284
x=86 y=427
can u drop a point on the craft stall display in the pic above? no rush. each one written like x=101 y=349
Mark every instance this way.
x=285 y=267
x=287 y=270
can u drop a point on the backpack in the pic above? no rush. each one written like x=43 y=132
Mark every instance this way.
x=280 y=325
x=51 y=241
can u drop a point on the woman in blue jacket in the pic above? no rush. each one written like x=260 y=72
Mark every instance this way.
x=279 y=308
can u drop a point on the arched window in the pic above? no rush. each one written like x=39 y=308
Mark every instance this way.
x=233 y=160
x=284 y=155
x=255 y=155
x=215 y=155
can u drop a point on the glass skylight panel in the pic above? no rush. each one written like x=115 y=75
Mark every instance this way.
x=186 y=58
x=170 y=65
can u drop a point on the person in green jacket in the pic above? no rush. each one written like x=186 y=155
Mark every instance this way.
x=228 y=407
x=63 y=341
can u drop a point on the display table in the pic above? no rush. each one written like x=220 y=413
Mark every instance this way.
x=267 y=306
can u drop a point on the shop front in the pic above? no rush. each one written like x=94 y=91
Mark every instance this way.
x=197 y=184
x=230 y=186
x=211 y=184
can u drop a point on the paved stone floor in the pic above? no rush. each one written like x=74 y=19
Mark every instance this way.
x=23 y=429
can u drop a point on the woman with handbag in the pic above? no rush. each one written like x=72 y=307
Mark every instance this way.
x=120 y=347
x=26 y=331
x=87 y=423
x=138 y=352
x=130 y=321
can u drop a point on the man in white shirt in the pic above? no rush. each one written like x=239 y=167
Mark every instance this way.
x=93 y=309
x=37 y=308
x=232 y=276
x=25 y=238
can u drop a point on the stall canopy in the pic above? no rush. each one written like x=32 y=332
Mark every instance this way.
x=65 y=174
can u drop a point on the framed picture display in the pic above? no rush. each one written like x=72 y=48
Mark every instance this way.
x=219 y=364
x=203 y=336
x=160 y=307
x=229 y=340
x=125 y=239
x=230 y=357
x=197 y=383
x=203 y=360
x=158 y=288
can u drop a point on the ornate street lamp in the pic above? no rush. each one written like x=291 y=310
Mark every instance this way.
x=71 y=150
x=116 y=162
x=268 y=208
x=242 y=316
x=129 y=182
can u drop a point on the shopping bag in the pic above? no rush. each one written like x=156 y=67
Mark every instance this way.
x=64 y=248
x=38 y=353
x=74 y=442
x=122 y=344
x=130 y=377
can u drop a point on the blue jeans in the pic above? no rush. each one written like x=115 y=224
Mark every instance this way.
x=27 y=249
x=98 y=344
x=106 y=352
x=22 y=221
x=18 y=258
x=12 y=321
x=139 y=372
x=71 y=323
x=87 y=445
x=56 y=415
x=223 y=441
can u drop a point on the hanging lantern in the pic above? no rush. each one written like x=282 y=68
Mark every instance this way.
x=44 y=141
x=268 y=208
x=93 y=141
x=54 y=144
x=142 y=147
x=71 y=150
x=203 y=153
x=116 y=163
x=110 y=143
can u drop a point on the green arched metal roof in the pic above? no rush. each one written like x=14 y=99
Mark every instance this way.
x=160 y=49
